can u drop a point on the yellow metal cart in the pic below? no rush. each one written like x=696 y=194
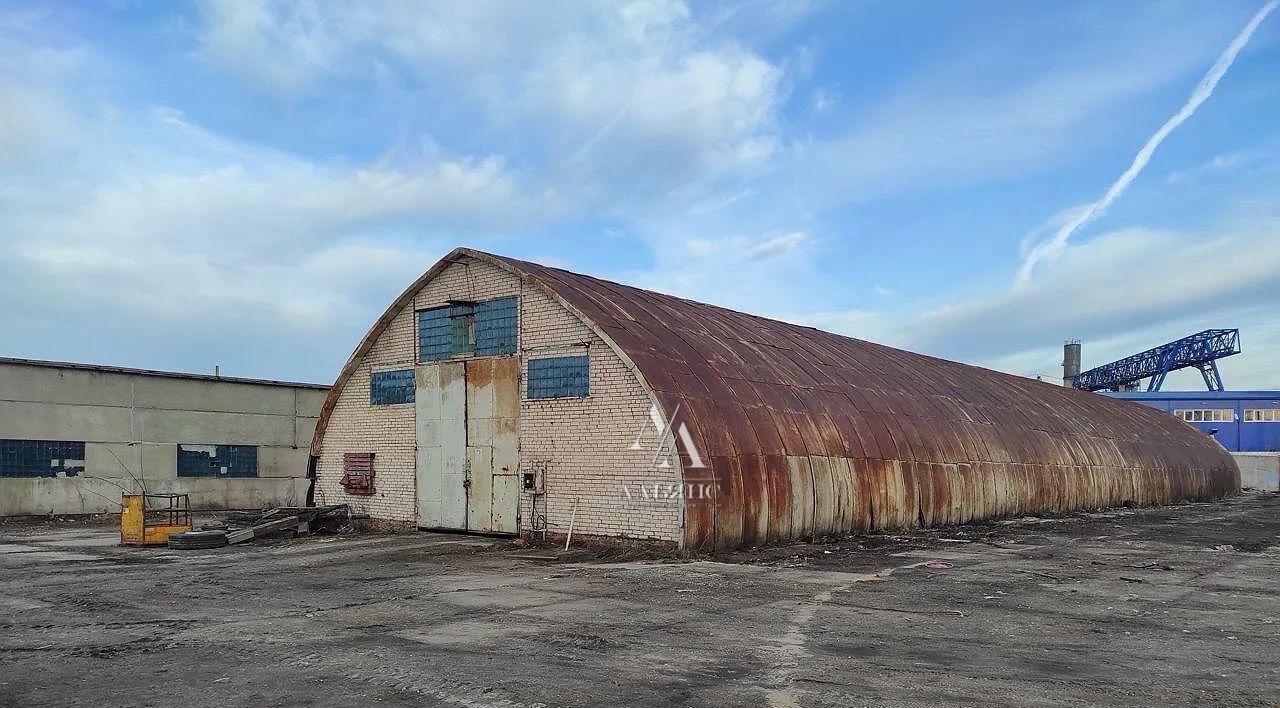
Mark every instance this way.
x=149 y=519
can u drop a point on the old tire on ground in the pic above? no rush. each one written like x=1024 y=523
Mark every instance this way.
x=196 y=540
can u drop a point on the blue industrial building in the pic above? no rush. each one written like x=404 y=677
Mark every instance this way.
x=1241 y=421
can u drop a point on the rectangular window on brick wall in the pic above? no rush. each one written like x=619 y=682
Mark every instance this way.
x=496 y=327
x=217 y=461
x=483 y=329
x=41 y=458
x=559 y=377
x=435 y=334
x=391 y=387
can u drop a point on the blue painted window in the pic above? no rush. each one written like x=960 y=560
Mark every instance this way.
x=435 y=334
x=41 y=458
x=559 y=377
x=391 y=387
x=495 y=325
x=217 y=461
x=484 y=328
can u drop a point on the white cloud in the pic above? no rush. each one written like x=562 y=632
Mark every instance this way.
x=154 y=181
x=1121 y=292
x=118 y=219
x=630 y=93
x=777 y=246
x=1052 y=248
x=282 y=44
x=753 y=274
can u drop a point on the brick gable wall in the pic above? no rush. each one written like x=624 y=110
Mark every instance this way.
x=582 y=446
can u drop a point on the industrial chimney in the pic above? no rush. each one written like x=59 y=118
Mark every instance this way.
x=1070 y=361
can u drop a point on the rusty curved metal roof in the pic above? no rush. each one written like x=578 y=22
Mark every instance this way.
x=763 y=398
x=809 y=433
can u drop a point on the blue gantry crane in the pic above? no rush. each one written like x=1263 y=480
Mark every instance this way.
x=1201 y=350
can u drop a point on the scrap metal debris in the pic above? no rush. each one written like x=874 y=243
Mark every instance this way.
x=241 y=526
x=300 y=520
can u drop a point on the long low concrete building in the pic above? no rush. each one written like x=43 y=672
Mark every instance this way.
x=74 y=437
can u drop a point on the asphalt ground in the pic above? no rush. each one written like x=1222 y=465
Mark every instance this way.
x=1175 y=606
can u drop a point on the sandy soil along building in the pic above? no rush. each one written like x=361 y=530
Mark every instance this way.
x=497 y=395
x=73 y=437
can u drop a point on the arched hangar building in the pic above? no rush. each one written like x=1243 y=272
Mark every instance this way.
x=501 y=396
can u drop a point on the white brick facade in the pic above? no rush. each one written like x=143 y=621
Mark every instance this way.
x=581 y=445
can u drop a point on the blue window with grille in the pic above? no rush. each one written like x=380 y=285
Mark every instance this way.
x=495 y=327
x=217 y=461
x=41 y=458
x=391 y=387
x=482 y=328
x=435 y=334
x=559 y=377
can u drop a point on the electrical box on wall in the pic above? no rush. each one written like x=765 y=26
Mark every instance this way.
x=533 y=477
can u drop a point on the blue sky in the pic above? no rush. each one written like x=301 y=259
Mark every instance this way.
x=250 y=183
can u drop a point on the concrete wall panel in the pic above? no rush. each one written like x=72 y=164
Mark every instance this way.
x=240 y=493
x=48 y=385
x=199 y=427
x=308 y=401
x=216 y=396
x=131 y=461
x=303 y=429
x=282 y=461
x=1259 y=470
x=60 y=421
x=112 y=460
x=46 y=495
x=159 y=461
x=43 y=496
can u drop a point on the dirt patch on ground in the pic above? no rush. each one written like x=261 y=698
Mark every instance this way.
x=1169 y=606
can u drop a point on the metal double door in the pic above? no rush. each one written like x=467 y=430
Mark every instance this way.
x=468 y=444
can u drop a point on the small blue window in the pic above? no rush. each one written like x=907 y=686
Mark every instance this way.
x=391 y=387
x=559 y=377
x=483 y=328
x=217 y=461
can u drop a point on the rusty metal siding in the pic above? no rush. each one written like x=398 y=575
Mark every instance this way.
x=811 y=433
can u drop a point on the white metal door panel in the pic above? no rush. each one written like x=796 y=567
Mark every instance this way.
x=506 y=445
x=441 y=410
x=493 y=405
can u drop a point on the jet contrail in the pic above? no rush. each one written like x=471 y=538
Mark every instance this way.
x=1053 y=247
